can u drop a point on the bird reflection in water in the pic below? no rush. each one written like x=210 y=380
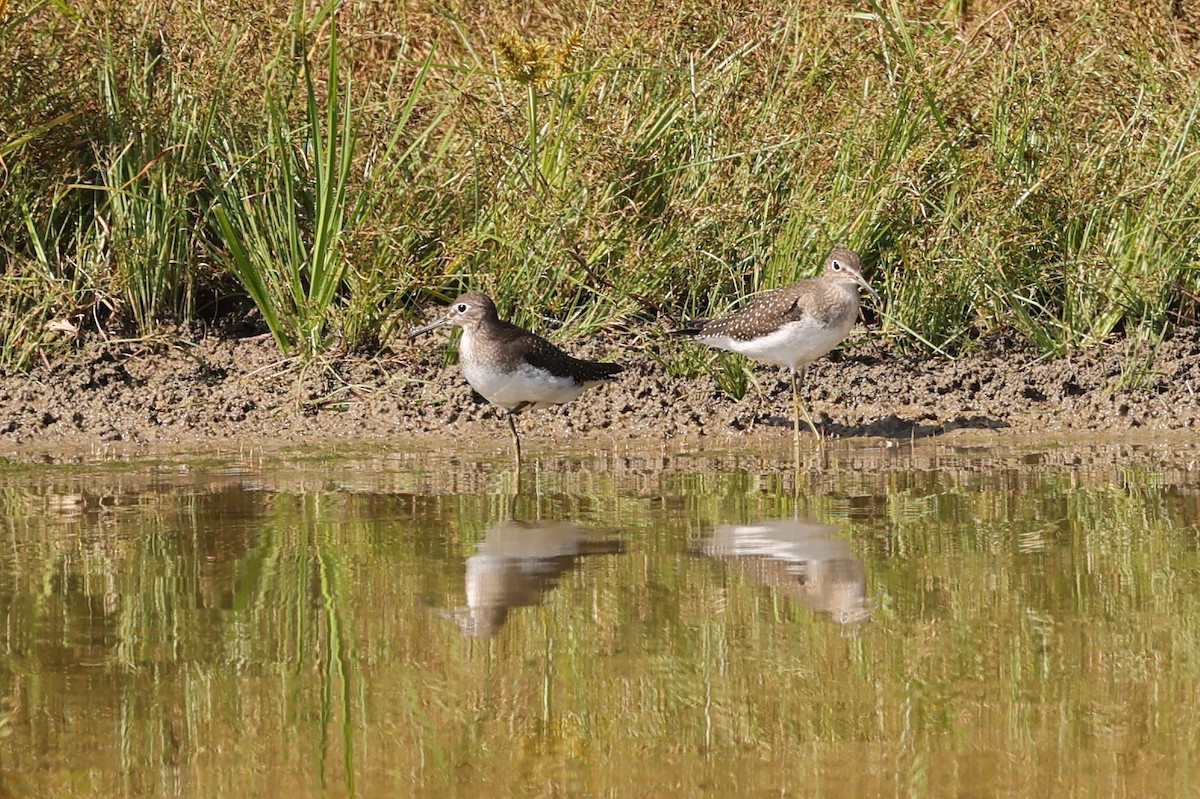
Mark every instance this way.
x=516 y=563
x=800 y=559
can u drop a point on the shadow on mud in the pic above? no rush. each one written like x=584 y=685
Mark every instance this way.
x=892 y=426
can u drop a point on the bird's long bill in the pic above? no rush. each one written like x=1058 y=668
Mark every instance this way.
x=420 y=331
x=862 y=281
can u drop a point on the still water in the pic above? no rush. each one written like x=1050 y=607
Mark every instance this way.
x=917 y=621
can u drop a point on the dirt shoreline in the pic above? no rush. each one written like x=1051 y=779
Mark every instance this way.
x=216 y=391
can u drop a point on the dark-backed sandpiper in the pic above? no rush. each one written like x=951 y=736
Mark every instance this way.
x=512 y=368
x=794 y=325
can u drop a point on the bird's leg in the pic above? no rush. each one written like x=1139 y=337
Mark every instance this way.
x=799 y=407
x=796 y=419
x=512 y=426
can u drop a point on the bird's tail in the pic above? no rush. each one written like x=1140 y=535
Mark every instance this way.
x=687 y=327
x=598 y=370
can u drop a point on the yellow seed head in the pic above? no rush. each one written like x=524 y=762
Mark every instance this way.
x=566 y=52
x=533 y=61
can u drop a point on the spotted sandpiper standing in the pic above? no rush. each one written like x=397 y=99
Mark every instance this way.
x=794 y=325
x=512 y=368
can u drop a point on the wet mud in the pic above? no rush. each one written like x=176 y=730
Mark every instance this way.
x=221 y=390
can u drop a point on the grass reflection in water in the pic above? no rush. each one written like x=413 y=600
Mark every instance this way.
x=929 y=623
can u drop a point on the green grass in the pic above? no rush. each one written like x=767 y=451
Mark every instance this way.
x=280 y=216
x=1000 y=167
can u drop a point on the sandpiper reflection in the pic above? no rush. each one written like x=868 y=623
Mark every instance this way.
x=516 y=563
x=802 y=559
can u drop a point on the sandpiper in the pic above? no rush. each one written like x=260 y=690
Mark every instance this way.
x=512 y=368
x=794 y=325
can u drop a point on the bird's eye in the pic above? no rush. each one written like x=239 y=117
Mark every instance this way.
x=461 y=307
x=836 y=266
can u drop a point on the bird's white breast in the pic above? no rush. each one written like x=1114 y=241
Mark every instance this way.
x=792 y=345
x=509 y=389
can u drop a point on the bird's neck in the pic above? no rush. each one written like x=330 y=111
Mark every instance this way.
x=467 y=343
x=841 y=300
x=475 y=336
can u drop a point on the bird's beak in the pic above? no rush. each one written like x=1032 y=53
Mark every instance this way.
x=862 y=281
x=445 y=320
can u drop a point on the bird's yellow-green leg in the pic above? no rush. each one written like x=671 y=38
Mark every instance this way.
x=798 y=407
x=512 y=426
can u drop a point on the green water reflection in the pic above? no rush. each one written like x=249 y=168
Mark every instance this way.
x=926 y=622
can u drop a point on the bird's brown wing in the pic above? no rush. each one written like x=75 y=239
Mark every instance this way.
x=764 y=313
x=541 y=354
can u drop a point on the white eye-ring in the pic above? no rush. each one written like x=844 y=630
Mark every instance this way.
x=836 y=266
x=461 y=307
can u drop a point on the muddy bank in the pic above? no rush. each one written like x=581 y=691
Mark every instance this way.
x=223 y=391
